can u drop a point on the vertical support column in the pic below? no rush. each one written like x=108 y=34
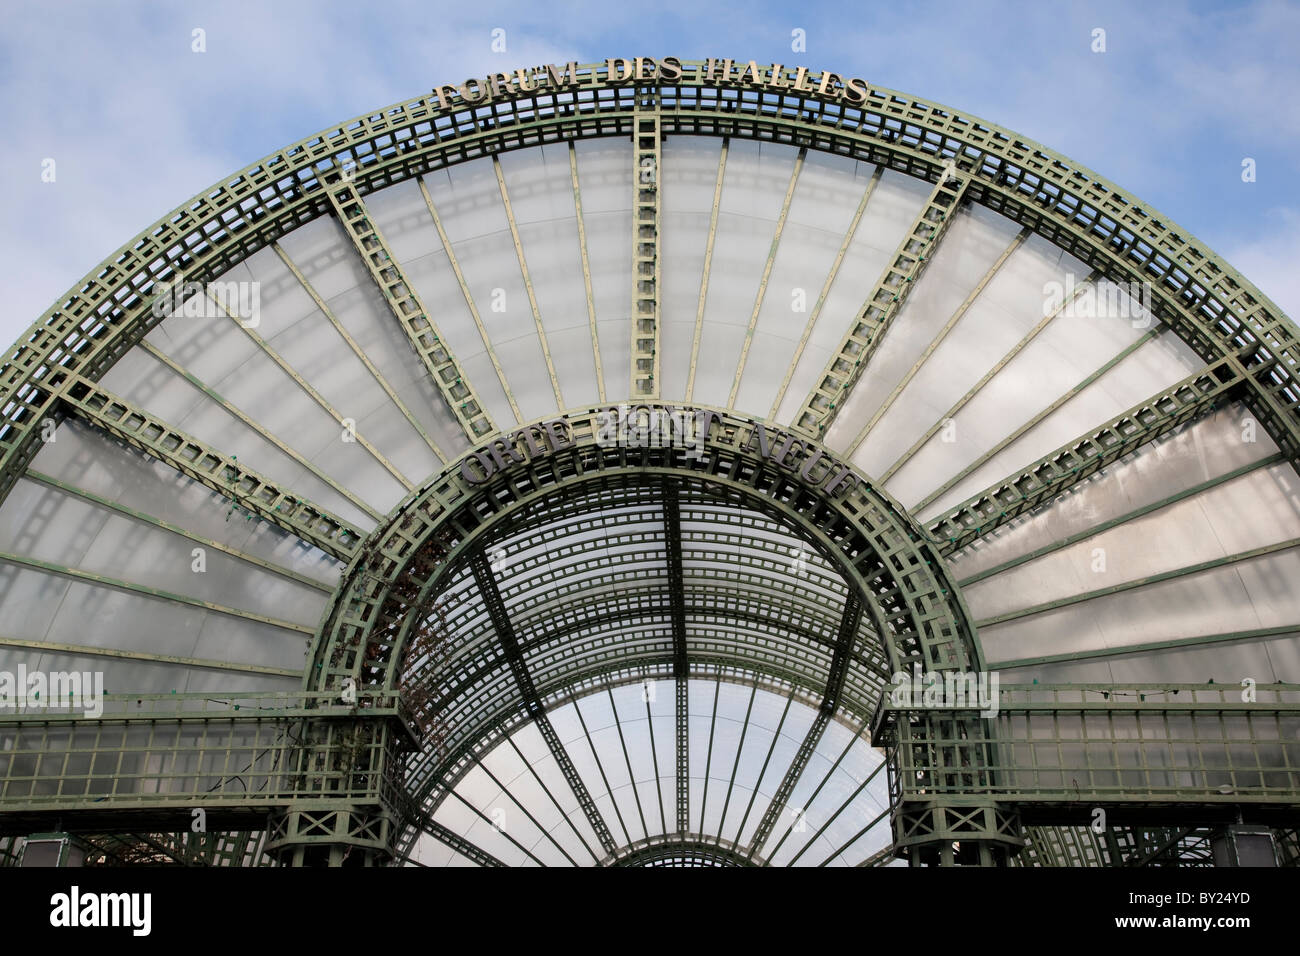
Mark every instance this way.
x=940 y=782
x=346 y=777
x=645 y=242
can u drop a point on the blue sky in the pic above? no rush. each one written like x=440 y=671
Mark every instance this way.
x=137 y=122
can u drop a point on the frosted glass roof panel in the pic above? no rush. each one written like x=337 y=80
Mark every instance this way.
x=894 y=204
x=690 y=171
x=973 y=242
x=1154 y=367
x=329 y=263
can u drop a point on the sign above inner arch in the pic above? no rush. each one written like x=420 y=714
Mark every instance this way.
x=885 y=556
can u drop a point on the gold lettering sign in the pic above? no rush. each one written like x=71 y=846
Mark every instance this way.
x=480 y=91
x=646 y=425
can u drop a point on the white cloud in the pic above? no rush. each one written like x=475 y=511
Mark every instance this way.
x=1271 y=262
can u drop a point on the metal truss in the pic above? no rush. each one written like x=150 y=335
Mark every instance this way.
x=646 y=218
x=425 y=337
x=681 y=664
x=1215 y=385
x=1207 y=304
x=1194 y=753
x=881 y=307
x=152 y=759
x=243 y=487
x=523 y=677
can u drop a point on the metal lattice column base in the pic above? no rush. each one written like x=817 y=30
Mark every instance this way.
x=332 y=836
x=940 y=781
x=939 y=833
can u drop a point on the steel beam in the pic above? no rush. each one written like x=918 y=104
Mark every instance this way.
x=117 y=584
x=257 y=427
x=133 y=514
x=86 y=650
x=681 y=669
x=648 y=174
x=825 y=291
x=850 y=621
x=975 y=389
x=586 y=271
x=325 y=404
x=707 y=270
x=881 y=307
x=1258 y=633
x=1060 y=470
x=457 y=843
x=1140 y=582
x=1125 y=518
x=528 y=282
x=487 y=586
x=767 y=274
x=1041 y=416
x=450 y=251
x=359 y=352
x=222 y=473
x=414 y=318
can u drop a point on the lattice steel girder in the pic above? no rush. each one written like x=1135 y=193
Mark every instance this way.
x=807 y=747
x=646 y=218
x=458 y=843
x=1059 y=470
x=424 y=335
x=487 y=586
x=848 y=632
x=150 y=759
x=1167 y=752
x=1208 y=304
x=677 y=605
x=195 y=459
x=881 y=307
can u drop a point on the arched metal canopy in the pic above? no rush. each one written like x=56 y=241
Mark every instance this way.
x=491 y=564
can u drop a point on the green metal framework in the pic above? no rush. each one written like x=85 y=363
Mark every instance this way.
x=335 y=788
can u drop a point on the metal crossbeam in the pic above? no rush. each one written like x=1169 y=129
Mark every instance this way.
x=1164 y=754
x=130 y=587
x=586 y=270
x=312 y=392
x=86 y=650
x=767 y=274
x=681 y=673
x=881 y=307
x=450 y=251
x=496 y=607
x=1125 y=518
x=1140 y=582
x=358 y=351
x=1061 y=469
x=144 y=517
x=260 y=429
x=987 y=377
x=222 y=473
x=402 y=299
x=645 y=242
x=1040 y=416
x=456 y=842
x=528 y=281
x=849 y=623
